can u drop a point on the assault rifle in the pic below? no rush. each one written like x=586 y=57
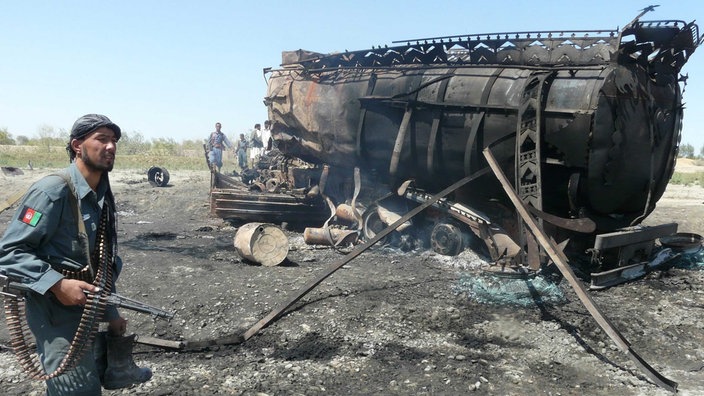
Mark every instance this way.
x=11 y=286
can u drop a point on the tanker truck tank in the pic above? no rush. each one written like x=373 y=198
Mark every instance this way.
x=586 y=124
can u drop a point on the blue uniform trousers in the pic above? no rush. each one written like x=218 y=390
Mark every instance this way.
x=54 y=326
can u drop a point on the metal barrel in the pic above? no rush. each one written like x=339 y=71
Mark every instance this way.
x=328 y=236
x=261 y=243
x=346 y=213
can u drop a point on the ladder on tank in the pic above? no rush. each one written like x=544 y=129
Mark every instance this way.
x=528 y=175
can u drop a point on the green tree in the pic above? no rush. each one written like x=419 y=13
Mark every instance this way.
x=133 y=143
x=164 y=146
x=687 y=150
x=22 y=140
x=6 y=137
x=49 y=137
x=195 y=144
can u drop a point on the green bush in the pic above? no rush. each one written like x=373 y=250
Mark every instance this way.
x=688 y=179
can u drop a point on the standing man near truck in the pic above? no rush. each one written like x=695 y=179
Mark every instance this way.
x=242 y=146
x=266 y=136
x=256 y=145
x=216 y=143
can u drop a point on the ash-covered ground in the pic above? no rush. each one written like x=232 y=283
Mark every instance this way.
x=389 y=322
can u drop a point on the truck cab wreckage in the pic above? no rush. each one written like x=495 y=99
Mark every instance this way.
x=530 y=147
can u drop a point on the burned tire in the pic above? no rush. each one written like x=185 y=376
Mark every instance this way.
x=158 y=177
x=447 y=239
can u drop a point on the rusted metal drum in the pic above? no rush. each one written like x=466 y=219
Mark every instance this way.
x=346 y=213
x=262 y=243
x=329 y=236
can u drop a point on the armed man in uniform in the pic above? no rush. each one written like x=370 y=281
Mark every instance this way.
x=61 y=257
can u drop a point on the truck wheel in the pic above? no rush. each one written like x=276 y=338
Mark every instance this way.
x=446 y=239
x=158 y=177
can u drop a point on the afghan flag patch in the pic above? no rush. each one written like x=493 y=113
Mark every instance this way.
x=30 y=216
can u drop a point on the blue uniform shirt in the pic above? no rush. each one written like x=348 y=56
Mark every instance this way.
x=42 y=237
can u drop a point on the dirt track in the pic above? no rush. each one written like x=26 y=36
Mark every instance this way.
x=388 y=323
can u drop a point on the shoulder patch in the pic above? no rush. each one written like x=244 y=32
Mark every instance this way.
x=29 y=216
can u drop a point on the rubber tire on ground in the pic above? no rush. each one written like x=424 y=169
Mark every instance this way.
x=158 y=177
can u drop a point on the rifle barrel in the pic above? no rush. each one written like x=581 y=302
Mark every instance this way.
x=9 y=285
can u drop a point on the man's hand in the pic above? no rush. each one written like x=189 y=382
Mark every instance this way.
x=70 y=291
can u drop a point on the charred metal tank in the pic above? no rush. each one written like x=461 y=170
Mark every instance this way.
x=586 y=123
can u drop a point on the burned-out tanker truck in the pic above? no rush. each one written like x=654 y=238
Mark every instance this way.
x=584 y=125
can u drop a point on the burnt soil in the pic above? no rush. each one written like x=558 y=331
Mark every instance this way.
x=389 y=322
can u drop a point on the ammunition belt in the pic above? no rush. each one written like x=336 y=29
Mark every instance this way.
x=93 y=310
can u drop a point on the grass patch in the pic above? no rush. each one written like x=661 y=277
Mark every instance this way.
x=39 y=157
x=688 y=179
x=56 y=157
x=170 y=162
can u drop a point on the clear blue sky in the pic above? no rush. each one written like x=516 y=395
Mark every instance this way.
x=171 y=69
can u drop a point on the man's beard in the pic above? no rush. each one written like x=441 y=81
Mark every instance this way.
x=92 y=165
